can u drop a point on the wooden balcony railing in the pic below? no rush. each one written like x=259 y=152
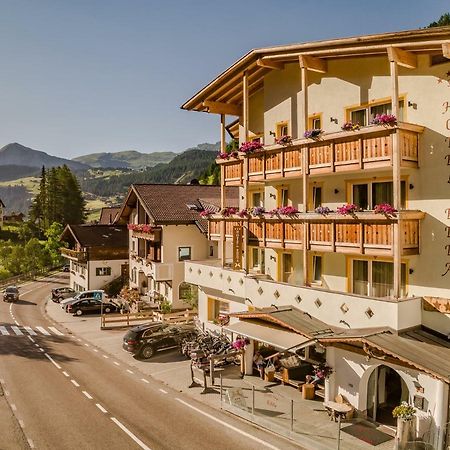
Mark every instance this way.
x=365 y=234
x=74 y=254
x=346 y=151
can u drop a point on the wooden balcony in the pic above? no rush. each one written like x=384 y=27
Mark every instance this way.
x=345 y=151
x=366 y=233
x=74 y=255
x=154 y=235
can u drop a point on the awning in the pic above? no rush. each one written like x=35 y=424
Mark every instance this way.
x=268 y=334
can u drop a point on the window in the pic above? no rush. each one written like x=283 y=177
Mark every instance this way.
x=257 y=199
x=367 y=195
x=283 y=197
x=317 y=196
x=375 y=278
x=102 y=271
x=365 y=115
x=282 y=129
x=317 y=269
x=315 y=122
x=217 y=308
x=184 y=253
x=287 y=268
x=257 y=259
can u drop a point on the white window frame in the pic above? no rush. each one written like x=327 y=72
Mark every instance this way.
x=183 y=247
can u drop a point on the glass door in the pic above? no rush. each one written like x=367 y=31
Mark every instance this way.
x=360 y=279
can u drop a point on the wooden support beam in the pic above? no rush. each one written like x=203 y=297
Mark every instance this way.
x=313 y=64
x=446 y=49
x=222 y=108
x=270 y=64
x=402 y=57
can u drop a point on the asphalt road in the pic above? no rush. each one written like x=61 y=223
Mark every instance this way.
x=62 y=395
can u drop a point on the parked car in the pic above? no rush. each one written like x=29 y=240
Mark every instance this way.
x=91 y=306
x=95 y=295
x=144 y=341
x=11 y=294
x=62 y=292
x=66 y=268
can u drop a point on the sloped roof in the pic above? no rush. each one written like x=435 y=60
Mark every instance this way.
x=97 y=235
x=176 y=203
x=107 y=215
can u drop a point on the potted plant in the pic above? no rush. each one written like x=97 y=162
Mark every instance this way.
x=384 y=119
x=384 y=208
x=284 y=140
x=350 y=126
x=250 y=147
x=348 y=209
x=323 y=210
x=228 y=211
x=404 y=413
x=313 y=134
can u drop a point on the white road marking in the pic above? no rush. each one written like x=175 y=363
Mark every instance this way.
x=95 y=350
x=36 y=345
x=17 y=330
x=145 y=381
x=87 y=345
x=2 y=381
x=4 y=331
x=65 y=374
x=43 y=331
x=21 y=423
x=53 y=361
x=74 y=383
x=56 y=331
x=116 y=363
x=87 y=395
x=132 y=436
x=30 y=338
x=30 y=331
x=163 y=391
x=13 y=407
x=100 y=407
x=30 y=443
x=15 y=321
x=237 y=430
x=78 y=339
x=7 y=393
x=130 y=371
x=41 y=349
x=105 y=356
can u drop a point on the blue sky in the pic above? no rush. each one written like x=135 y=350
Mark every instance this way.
x=84 y=76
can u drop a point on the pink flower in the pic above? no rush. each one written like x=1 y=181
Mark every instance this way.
x=347 y=209
x=250 y=147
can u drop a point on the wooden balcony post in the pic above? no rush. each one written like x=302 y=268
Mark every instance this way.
x=245 y=107
x=396 y=239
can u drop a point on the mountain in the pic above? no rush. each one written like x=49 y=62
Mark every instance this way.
x=128 y=159
x=190 y=164
x=18 y=155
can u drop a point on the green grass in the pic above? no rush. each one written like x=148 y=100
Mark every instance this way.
x=30 y=183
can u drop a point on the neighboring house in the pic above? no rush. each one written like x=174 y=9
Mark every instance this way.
x=2 y=209
x=370 y=283
x=166 y=230
x=98 y=254
x=108 y=215
x=14 y=217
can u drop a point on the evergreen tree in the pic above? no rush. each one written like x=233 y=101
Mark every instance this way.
x=441 y=22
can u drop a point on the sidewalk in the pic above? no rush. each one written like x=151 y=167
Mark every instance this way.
x=311 y=426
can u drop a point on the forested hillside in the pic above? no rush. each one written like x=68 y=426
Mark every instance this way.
x=16 y=198
x=182 y=169
x=13 y=172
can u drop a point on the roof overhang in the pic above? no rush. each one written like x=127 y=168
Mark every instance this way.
x=69 y=235
x=224 y=94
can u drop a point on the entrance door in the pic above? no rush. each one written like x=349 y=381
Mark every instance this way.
x=386 y=390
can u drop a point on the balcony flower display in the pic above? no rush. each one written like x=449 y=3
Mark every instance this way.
x=250 y=147
x=384 y=208
x=228 y=211
x=206 y=213
x=284 y=210
x=244 y=213
x=141 y=228
x=284 y=140
x=258 y=210
x=404 y=411
x=350 y=126
x=312 y=134
x=384 y=119
x=240 y=343
x=322 y=371
x=227 y=155
x=347 y=210
x=324 y=210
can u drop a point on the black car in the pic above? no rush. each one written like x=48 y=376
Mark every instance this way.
x=62 y=292
x=145 y=340
x=92 y=306
x=11 y=294
x=66 y=268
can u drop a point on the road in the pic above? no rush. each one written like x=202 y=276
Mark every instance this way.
x=63 y=395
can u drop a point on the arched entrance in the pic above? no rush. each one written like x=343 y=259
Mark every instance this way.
x=385 y=390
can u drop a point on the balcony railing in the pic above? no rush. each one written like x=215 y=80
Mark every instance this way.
x=154 y=235
x=366 y=233
x=346 y=151
x=74 y=254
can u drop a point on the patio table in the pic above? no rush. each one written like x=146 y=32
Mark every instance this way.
x=336 y=410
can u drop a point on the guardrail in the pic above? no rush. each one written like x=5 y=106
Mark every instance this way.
x=25 y=276
x=177 y=317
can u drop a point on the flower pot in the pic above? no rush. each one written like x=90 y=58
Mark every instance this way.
x=405 y=432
